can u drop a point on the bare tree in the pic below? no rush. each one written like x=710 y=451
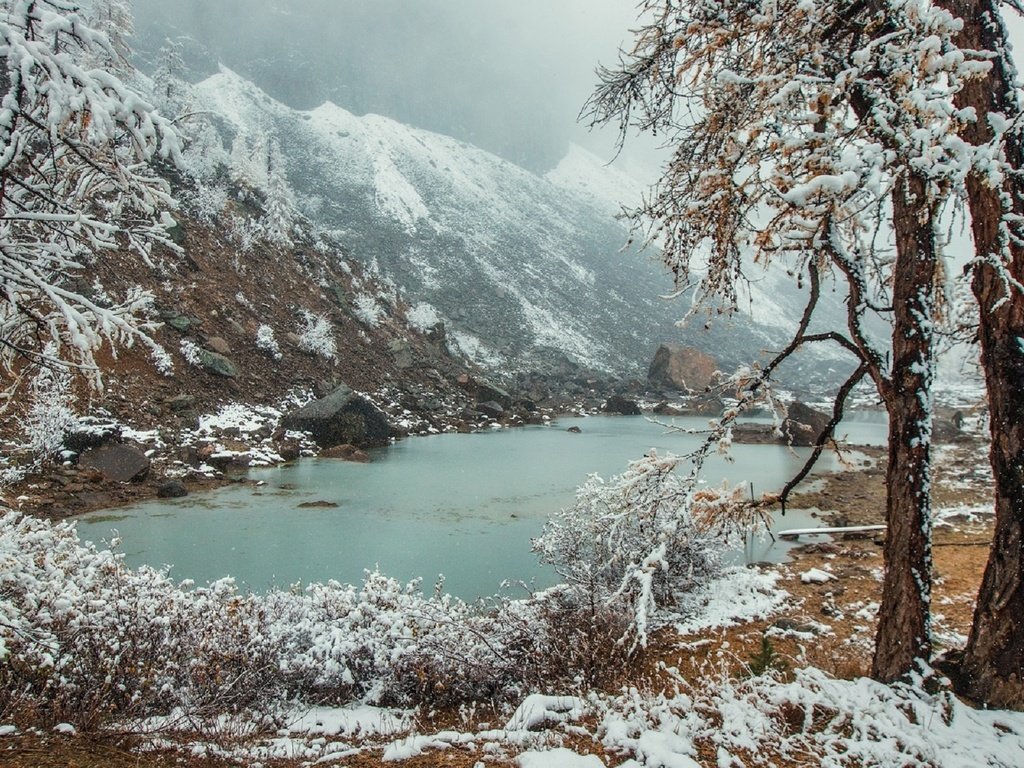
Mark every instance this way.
x=75 y=183
x=820 y=136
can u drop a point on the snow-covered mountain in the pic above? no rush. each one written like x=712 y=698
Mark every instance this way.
x=521 y=267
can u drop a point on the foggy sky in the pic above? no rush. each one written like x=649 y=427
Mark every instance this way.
x=508 y=76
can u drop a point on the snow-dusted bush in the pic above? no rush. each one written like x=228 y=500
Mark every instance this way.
x=50 y=412
x=316 y=335
x=367 y=309
x=47 y=420
x=244 y=233
x=267 y=342
x=631 y=539
x=423 y=317
x=190 y=351
x=209 y=201
x=84 y=639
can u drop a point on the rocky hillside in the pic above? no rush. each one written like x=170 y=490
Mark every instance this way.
x=523 y=269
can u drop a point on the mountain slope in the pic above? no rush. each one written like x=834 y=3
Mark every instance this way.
x=522 y=268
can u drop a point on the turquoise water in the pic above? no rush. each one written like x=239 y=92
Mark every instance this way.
x=465 y=506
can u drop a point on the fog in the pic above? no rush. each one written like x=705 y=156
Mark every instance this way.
x=510 y=77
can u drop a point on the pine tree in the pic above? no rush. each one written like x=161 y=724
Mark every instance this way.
x=280 y=205
x=170 y=89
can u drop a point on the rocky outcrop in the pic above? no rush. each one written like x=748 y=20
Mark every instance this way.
x=120 y=463
x=483 y=391
x=339 y=418
x=682 y=368
x=622 y=405
x=803 y=424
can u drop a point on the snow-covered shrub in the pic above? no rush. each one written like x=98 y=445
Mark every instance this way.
x=367 y=310
x=244 y=233
x=50 y=411
x=631 y=539
x=267 y=342
x=316 y=335
x=423 y=317
x=46 y=421
x=190 y=351
x=86 y=640
x=209 y=201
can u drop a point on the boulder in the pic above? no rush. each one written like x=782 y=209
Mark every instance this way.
x=401 y=350
x=491 y=409
x=621 y=404
x=289 y=450
x=219 y=345
x=681 y=368
x=803 y=424
x=347 y=452
x=340 y=417
x=483 y=391
x=665 y=408
x=91 y=432
x=117 y=462
x=181 y=402
x=217 y=364
x=171 y=489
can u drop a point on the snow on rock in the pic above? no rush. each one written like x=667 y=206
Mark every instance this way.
x=558 y=758
x=539 y=711
x=65 y=729
x=816 y=576
x=8 y=730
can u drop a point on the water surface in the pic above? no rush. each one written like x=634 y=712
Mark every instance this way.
x=465 y=506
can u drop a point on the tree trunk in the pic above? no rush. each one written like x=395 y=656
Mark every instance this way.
x=904 y=625
x=993 y=663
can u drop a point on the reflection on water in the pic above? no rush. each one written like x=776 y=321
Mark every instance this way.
x=465 y=506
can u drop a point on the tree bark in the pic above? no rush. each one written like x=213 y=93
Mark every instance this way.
x=904 y=624
x=992 y=670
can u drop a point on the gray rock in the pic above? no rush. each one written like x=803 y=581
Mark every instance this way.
x=219 y=345
x=792 y=625
x=491 y=409
x=803 y=424
x=402 y=352
x=172 y=489
x=483 y=391
x=181 y=402
x=217 y=364
x=621 y=404
x=120 y=463
x=91 y=432
x=340 y=417
x=181 y=323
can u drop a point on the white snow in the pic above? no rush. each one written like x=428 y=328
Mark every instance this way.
x=559 y=757
x=538 y=710
x=816 y=576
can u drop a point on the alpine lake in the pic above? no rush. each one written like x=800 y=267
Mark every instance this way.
x=464 y=507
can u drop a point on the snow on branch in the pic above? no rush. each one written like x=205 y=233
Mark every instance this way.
x=75 y=182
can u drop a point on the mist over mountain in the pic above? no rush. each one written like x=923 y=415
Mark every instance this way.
x=510 y=78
